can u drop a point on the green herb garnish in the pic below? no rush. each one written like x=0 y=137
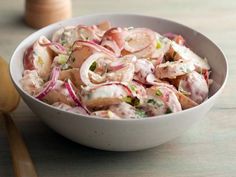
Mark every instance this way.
x=140 y=113
x=62 y=59
x=127 y=99
x=151 y=101
x=168 y=111
x=93 y=66
x=158 y=93
x=63 y=42
x=133 y=87
x=155 y=102
x=134 y=101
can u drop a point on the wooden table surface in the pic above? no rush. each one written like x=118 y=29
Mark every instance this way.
x=207 y=149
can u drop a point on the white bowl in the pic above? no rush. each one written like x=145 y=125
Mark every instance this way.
x=125 y=135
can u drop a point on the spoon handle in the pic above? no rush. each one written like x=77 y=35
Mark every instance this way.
x=22 y=162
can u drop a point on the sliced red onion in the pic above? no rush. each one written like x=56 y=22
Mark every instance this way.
x=50 y=85
x=71 y=91
x=116 y=67
x=116 y=35
x=95 y=46
x=28 y=59
x=84 y=69
x=113 y=46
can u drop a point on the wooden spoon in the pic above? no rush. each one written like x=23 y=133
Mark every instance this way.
x=9 y=100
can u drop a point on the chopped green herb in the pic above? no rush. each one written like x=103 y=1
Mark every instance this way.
x=62 y=59
x=65 y=66
x=133 y=87
x=127 y=99
x=140 y=113
x=152 y=101
x=168 y=111
x=134 y=101
x=155 y=102
x=159 y=45
x=93 y=66
x=158 y=93
x=63 y=42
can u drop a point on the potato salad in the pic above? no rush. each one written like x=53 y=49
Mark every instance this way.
x=115 y=72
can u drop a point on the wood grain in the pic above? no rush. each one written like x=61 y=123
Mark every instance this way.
x=22 y=162
x=207 y=149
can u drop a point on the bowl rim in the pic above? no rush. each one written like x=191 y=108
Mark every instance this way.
x=77 y=115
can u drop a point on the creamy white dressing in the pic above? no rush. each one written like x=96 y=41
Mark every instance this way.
x=173 y=69
x=188 y=54
x=107 y=91
x=31 y=82
x=196 y=85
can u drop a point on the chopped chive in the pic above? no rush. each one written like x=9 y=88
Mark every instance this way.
x=134 y=101
x=140 y=113
x=133 y=87
x=62 y=59
x=127 y=99
x=158 y=93
x=152 y=101
x=93 y=66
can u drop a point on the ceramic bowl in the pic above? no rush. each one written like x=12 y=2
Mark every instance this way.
x=125 y=135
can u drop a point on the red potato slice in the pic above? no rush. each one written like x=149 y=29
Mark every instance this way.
x=103 y=96
x=178 y=52
x=66 y=107
x=195 y=85
x=72 y=74
x=105 y=114
x=83 y=49
x=146 y=52
x=125 y=111
x=167 y=95
x=162 y=47
x=173 y=69
x=59 y=94
x=39 y=57
x=143 y=68
x=31 y=82
x=66 y=36
x=185 y=101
